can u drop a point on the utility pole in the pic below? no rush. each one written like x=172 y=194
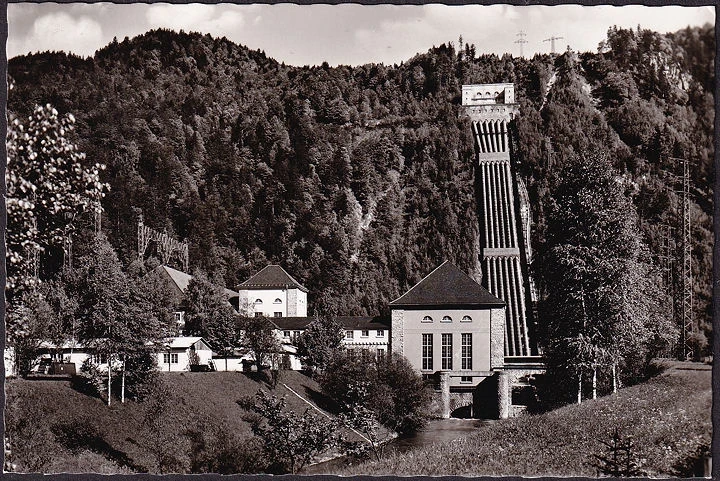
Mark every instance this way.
x=688 y=325
x=552 y=42
x=686 y=284
x=667 y=260
x=521 y=41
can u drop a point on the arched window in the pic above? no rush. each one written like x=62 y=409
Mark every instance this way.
x=427 y=319
x=258 y=301
x=446 y=319
x=277 y=301
x=466 y=319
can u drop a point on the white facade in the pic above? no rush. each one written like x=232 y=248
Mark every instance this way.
x=274 y=302
x=373 y=340
x=488 y=94
x=177 y=356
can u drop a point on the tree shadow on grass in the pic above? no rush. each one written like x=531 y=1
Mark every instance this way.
x=81 y=434
x=322 y=401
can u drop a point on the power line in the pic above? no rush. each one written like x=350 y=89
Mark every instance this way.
x=552 y=42
x=521 y=41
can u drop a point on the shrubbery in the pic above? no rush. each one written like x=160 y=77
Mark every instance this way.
x=393 y=390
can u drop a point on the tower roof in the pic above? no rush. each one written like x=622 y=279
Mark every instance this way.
x=272 y=277
x=447 y=285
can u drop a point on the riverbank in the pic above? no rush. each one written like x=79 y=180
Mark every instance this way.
x=667 y=418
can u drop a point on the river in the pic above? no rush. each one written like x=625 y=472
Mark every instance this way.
x=439 y=430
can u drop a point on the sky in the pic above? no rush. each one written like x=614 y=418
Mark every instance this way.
x=347 y=34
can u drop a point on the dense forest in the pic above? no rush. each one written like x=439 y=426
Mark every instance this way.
x=359 y=180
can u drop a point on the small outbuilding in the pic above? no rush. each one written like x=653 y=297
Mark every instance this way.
x=185 y=353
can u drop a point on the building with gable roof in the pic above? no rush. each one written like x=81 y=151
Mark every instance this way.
x=272 y=292
x=452 y=331
x=178 y=282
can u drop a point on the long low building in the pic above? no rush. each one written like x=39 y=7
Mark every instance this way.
x=181 y=353
x=360 y=332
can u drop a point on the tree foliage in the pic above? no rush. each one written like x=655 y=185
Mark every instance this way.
x=317 y=345
x=258 y=336
x=602 y=308
x=50 y=184
x=389 y=387
x=291 y=440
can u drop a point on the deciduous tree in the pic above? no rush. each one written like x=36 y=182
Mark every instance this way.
x=290 y=439
x=319 y=342
x=599 y=311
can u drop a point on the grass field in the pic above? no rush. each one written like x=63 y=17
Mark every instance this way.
x=668 y=418
x=122 y=443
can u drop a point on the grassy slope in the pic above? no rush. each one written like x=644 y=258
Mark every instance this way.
x=41 y=404
x=668 y=417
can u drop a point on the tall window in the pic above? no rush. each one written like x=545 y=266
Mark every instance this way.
x=427 y=351
x=349 y=335
x=447 y=351
x=277 y=314
x=466 y=351
x=364 y=333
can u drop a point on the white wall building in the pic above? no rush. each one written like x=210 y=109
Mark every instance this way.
x=178 y=354
x=272 y=292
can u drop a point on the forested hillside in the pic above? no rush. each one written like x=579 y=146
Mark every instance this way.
x=359 y=180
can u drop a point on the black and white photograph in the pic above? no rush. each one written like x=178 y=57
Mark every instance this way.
x=389 y=240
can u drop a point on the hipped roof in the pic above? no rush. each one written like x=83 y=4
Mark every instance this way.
x=272 y=276
x=447 y=285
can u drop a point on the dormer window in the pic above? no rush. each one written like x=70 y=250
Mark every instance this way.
x=277 y=301
x=446 y=319
x=427 y=319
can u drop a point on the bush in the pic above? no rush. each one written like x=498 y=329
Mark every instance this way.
x=395 y=392
x=215 y=449
x=89 y=380
x=141 y=376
